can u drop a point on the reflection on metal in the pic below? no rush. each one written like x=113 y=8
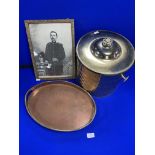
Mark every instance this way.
x=60 y=106
x=104 y=57
x=105 y=48
x=88 y=79
x=105 y=52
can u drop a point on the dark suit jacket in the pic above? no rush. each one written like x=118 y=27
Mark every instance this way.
x=55 y=50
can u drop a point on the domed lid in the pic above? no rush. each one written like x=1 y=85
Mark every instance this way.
x=105 y=52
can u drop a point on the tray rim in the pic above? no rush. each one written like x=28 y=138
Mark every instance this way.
x=59 y=82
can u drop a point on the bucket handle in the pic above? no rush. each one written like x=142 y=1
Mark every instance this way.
x=125 y=78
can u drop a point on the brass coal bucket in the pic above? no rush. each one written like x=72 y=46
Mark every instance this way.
x=103 y=58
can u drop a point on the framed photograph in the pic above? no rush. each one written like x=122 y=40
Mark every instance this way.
x=52 y=48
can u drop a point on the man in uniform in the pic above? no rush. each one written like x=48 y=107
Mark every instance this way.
x=55 y=55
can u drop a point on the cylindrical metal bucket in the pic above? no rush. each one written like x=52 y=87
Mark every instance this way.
x=103 y=57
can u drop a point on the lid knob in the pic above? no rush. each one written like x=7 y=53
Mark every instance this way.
x=107 y=43
x=105 y=48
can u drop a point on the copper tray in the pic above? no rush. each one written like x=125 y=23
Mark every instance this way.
x=60 y=106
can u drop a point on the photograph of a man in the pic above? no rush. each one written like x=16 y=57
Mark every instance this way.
x=52 y=48
x=54 y=54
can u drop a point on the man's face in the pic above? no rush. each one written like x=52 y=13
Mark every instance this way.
x=53 y=37
x=41 y=59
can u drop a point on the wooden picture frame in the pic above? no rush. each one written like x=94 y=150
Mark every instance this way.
x=52 y=59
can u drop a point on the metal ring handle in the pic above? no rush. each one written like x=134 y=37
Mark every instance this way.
x=125 y=78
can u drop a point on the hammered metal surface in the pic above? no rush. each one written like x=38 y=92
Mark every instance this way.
x=88 y=79
x=61 y=106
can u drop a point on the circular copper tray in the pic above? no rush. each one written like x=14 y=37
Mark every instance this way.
x=60 y=106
